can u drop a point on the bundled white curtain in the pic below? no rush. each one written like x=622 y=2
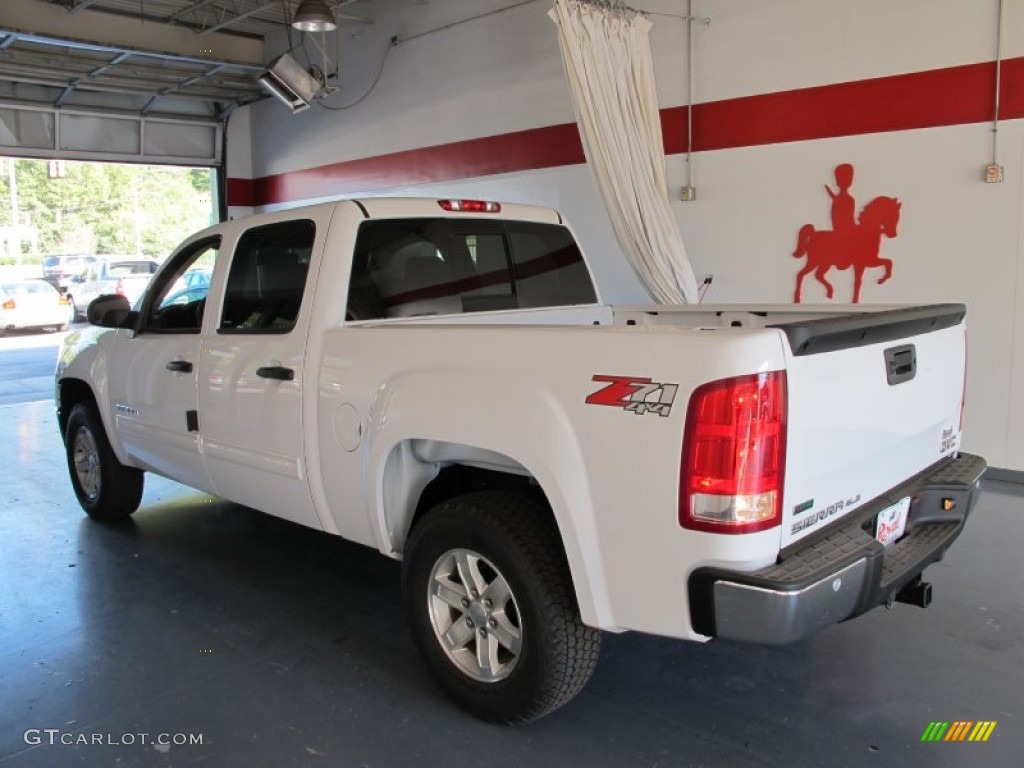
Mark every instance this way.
x=607 y=56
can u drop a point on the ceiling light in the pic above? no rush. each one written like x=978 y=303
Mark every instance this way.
x=314 y=16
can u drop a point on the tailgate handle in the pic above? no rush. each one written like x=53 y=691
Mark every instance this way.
x=900 y=364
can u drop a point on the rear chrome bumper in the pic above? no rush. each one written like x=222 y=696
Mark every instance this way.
x=842 y=571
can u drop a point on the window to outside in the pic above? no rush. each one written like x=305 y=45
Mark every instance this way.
x=175 y=306
x=408 y=267
x=268 y=278
x=57 y=215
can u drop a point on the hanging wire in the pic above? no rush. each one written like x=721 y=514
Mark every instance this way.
x=292 y=45
x=376 y=78
x=304 y=43
x=689 y=94
x=703 y=289
x=323 y=50
x=321 y=46
x=999 y=73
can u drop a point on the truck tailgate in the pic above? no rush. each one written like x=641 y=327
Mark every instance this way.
x=873 y=400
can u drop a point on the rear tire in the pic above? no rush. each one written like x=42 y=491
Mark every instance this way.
x=516 y=648
x=106 y=488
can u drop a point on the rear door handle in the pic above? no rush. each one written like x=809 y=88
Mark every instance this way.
x=179 y=366
x=278 y=372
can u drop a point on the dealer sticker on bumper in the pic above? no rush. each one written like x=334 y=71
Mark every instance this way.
x=892 y=521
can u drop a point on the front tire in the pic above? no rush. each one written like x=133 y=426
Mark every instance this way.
x=106 y=488
x=492 y=609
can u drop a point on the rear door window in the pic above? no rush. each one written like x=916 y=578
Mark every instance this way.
x=410 y=267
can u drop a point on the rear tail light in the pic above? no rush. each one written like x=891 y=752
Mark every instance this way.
x=734 y=455
x=9 y=304
x=119 y=288
x=470 y=206
x=64 y=300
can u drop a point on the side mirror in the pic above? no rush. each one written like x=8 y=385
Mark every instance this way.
x=109 y=311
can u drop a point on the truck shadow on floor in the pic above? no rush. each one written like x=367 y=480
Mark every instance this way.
x=308 y=632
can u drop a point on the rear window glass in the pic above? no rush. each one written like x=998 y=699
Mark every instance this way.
x=123 y=268
x=410 y=267
x=65 y=263
x=24 y=289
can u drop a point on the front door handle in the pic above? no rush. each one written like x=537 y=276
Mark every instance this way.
x=179 y=366
x=278 y=372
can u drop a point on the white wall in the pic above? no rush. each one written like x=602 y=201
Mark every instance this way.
x=491 y=76
x=959 y=239
x=238 y=159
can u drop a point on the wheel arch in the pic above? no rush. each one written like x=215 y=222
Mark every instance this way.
x=71 y=392
x=106 y=489
x=416 y=474
x=83 y=373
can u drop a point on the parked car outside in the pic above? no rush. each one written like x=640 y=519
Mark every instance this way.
x=33 y=303
x=185 y=297
x=124 y=276
x=193 y=278
x=60 y=269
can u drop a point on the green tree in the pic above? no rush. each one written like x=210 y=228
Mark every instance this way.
x=109 y=208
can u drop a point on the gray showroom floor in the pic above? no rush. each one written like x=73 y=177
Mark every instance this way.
x=283 y=647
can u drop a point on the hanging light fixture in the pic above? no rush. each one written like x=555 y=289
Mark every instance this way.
x=314 y=16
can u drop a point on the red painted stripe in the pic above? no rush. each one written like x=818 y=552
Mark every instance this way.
x=941 y=97
x=519 y=151
x=241 y=192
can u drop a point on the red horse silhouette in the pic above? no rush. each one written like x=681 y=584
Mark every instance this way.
x=856 y=247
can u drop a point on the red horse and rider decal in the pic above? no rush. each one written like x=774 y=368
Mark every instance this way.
x=850 y=242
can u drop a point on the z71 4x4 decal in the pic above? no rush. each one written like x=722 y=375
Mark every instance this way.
x=636 y=394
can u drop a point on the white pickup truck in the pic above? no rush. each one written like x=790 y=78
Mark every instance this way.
x=439 y=380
